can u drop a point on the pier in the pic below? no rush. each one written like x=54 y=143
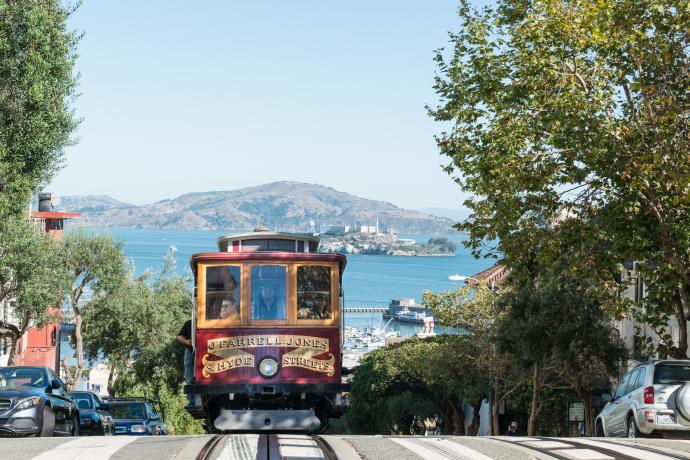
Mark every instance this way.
x=365 y=309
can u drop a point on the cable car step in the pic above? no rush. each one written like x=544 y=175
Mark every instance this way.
x=267 y=420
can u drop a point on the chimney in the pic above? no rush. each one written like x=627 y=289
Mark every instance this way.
x=44 y=203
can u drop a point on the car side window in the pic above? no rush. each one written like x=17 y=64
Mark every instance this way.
x=620 y=391
x=641 y=378
x=52 y=376
x=632 y=381
x=150 y=410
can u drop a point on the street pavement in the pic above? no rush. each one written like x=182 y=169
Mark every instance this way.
x=300 y=447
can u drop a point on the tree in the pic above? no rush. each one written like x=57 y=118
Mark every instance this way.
x=133 y=326
x=30 y=278
x=94 y=262
x=559 y=331
x=476 y=312
x=37 y=86
x=442 y=370
x=576 y=109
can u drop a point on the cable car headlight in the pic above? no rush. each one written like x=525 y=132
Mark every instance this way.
x=268 y=367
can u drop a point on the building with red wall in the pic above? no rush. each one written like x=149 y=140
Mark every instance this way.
x=40 y=346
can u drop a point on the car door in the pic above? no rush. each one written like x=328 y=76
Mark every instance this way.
x=61 y=402
x=105 y=416
x=619 y=407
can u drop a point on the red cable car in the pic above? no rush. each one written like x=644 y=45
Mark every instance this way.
x=267 y=333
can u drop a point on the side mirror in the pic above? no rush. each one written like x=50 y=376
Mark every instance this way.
x=55 y=384
x=104 y=406
x=606 y=397
x=155 y=417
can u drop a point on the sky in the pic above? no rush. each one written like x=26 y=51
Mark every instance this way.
x=180 y=96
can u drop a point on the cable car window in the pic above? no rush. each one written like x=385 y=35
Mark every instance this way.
x=223 y=293
x=268 y=292
x=313 y=292
x=268 y=245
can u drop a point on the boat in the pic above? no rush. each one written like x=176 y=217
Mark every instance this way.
x=407 y=316
x=457 y=277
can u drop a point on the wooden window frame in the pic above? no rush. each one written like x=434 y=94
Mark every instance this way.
x=334 y=320
x=201 y=321
x=246 y=297
x=288 y=295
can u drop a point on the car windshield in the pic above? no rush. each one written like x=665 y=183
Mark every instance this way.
x=127 y=411
x=83 y=400
x=21 y=376
x=672 y=373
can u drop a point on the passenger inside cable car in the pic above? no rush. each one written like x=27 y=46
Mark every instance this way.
x=268 y=292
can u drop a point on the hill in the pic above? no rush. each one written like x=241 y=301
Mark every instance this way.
x=284 y=206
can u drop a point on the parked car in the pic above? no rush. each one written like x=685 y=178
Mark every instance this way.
x=651 y=399
x=33 y=401
x=136 y=417
x=93 y=414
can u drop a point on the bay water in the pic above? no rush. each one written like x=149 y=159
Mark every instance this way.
x=368 y=280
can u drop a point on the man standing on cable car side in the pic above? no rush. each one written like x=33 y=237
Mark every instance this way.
x=185 y=338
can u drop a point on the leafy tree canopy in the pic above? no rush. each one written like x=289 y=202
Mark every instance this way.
x=37 y=85
x=575 y=112
x=29 y=276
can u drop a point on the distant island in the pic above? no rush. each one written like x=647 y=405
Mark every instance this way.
x=366 y=240
x=281 y=206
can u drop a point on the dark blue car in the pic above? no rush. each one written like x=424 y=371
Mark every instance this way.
x=93 y=414
x=136 y=417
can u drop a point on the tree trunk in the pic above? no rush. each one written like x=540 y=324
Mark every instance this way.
x=80 y=350
x=13 y=333
x=111 y=380
x=495 y=429
x=536 y=387
x=682 y=351
x=473 y=429
x=13 y=350
x=458 y=417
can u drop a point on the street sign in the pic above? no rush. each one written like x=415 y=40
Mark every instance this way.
x=576 y=412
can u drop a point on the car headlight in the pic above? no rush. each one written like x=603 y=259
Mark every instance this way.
x=138 y=429
x=268 y=367
x=27 y=403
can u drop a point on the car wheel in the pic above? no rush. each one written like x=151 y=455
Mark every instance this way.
x=599 y=430
x=48 y=426
x=75 y=426
x=633 y=432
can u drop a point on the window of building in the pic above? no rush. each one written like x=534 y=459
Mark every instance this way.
x=223 y=292
x=313 y=292
x=268 y=292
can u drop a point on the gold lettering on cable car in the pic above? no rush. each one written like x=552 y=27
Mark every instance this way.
x=233 y=357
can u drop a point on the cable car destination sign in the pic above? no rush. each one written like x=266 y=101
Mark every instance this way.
x=232 y=352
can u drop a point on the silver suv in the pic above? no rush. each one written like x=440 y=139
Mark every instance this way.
x=652 y=398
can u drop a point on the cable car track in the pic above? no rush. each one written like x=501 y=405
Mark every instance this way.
x=268 y=447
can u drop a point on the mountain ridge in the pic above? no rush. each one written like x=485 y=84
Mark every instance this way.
x=282 y=205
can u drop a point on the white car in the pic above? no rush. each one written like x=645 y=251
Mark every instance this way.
x=651 y=399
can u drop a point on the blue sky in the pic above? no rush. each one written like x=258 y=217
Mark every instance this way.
x=186 y=96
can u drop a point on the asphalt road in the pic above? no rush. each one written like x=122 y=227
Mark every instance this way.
x=297 y=447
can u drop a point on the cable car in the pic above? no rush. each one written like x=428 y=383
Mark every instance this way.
x=267 y=322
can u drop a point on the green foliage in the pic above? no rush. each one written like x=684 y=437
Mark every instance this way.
x=37 y=86
x=171 y=399
x=95 y=262
x=29 y=276
x=576 y=112
x=134 y=326
x=441 y=372
x=553 y=417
